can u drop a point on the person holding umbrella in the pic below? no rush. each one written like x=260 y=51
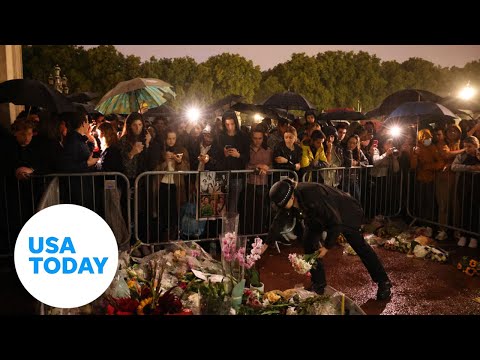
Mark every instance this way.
x=324 y=208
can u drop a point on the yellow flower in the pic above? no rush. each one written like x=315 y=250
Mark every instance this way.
x=180 y=254
x=131 y=284
x=143 y=303
x=470 y=271
x=272 y=297
x=473 y=263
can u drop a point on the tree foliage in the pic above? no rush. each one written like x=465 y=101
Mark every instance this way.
x=328 y=79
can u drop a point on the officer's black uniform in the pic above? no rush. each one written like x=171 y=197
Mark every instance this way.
x=325 y=208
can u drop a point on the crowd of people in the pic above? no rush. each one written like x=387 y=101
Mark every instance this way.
x=42 y=143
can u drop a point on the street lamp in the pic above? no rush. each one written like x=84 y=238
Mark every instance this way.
x=57 y=82
x=467 y=92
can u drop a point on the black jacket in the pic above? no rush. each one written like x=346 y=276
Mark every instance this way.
x=110 y=160
x=328 y=209
x=293 y=156
x=76 y=153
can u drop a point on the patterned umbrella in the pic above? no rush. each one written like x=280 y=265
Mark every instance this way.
x=130 y=95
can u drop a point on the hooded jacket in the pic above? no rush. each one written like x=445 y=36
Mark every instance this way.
x=239 y=141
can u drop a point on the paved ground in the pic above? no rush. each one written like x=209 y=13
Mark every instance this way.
x=421 y=287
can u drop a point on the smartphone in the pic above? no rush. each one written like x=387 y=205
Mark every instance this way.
x=228 y=146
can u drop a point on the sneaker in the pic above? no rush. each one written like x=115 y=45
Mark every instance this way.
x=462 y=241
x=384 y=290
x=442 y=235
x=473 y=243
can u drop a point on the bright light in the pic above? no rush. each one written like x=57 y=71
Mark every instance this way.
x=193 y=114
x=257 y=118
x=395 y=131
x=467 y=92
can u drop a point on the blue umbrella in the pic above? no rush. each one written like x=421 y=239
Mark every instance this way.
x=420 y=110
x=419 y=113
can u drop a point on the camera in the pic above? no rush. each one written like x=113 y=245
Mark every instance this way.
x=395 y=151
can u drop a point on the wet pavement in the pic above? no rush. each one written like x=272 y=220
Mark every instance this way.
x=420 y=287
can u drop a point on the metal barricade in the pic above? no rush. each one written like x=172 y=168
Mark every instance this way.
x=378 y=195
x=189 y=205
x=106 y=193
x=450 y=200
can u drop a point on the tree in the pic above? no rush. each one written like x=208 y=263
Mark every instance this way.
x=230 y=74
x=106 y=67
x=396 y=78
x=39 y=61
x=425 y=75
x=267 y=88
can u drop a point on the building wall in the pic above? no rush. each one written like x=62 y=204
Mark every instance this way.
x=11 y=67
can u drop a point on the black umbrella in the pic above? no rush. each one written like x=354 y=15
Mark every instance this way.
x=34 y=93
x=88 y=108
x=260 y=109
x=422 y=109
x=163 y=110
x=420 y=113
x=341 y=115
x=393 y=101
x=83 y=97
x=227 y=100
x=289 y=101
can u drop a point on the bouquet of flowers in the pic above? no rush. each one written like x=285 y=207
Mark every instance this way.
x=303 y=264
x=145 y=293
x=469 y=266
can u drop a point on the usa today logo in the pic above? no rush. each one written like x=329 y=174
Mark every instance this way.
x=66 y=256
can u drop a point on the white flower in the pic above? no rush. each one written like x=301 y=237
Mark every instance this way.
x=420 y=251
x=291 y=311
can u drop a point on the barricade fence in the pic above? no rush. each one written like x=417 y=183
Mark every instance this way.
x=378 y=195
x=189 y=205
x=447 y=199
x=106 y=193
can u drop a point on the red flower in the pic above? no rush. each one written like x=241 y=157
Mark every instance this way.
x=182 y=285
x=110 y=310
x=122 y=306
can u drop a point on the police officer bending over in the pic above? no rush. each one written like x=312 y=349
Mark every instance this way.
x=325 y=208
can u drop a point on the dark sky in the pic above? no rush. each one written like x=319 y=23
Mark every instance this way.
x=267 y=56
